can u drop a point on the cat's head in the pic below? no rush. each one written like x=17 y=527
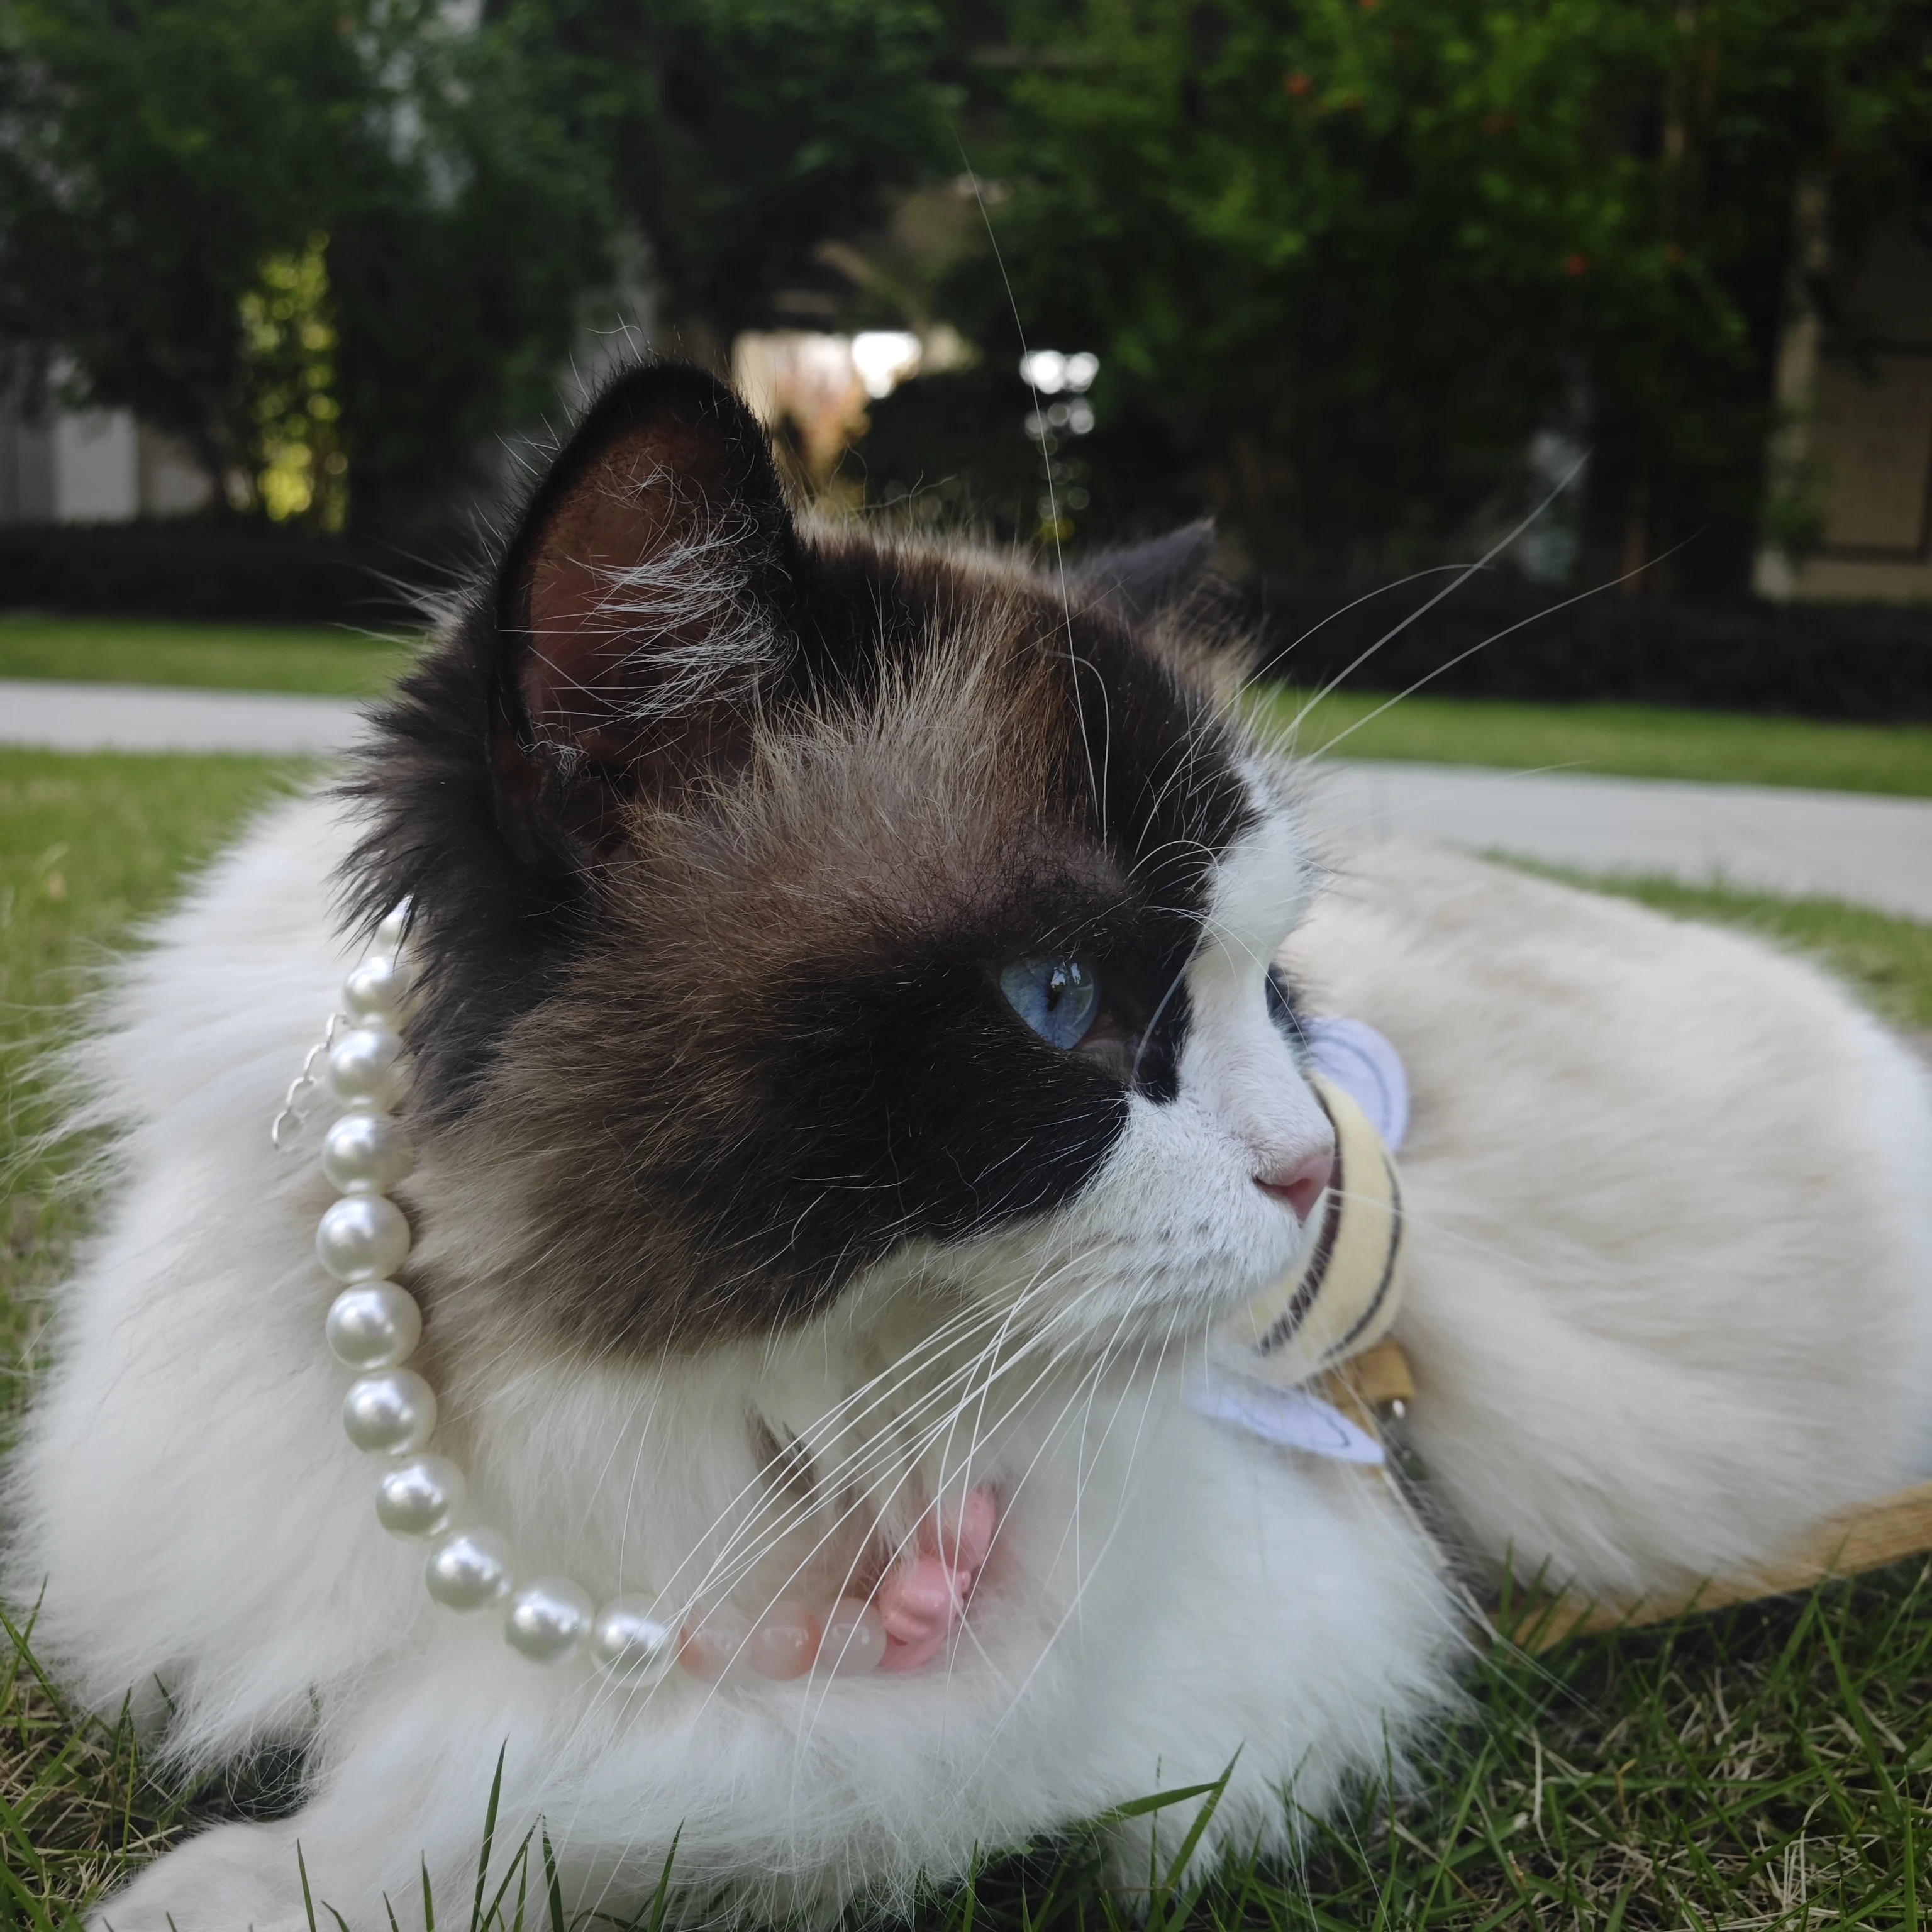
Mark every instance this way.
x=794 y=908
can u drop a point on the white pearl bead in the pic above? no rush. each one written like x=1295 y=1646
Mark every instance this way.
x=548 y=1619
x=389 y=935
x=365 y=1070
x=367 y=1154
x=361 y=1237
x=374 y=1325
x=420 y=1497
x=630 y=1643
x=375 y=990
x=469 y=1569
x=854 y=1643
x=390 y=1414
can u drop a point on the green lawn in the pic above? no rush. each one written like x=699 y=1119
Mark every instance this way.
x=239 y=657
x=1642 y=741
x=1771 y=1766
x=88 y=845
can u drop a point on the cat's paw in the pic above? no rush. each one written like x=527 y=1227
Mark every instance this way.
x=235 y=1878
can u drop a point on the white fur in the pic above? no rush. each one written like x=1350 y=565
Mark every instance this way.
x=1637 y=1147
x=1670 y=1293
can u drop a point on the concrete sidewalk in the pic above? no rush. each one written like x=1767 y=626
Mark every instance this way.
x=157 y=718
x=1874 y=850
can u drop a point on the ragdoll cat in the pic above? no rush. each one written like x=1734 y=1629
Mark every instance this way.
x=855 y=1063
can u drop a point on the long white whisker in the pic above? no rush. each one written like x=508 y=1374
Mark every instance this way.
x=895 y=1376
x=885 y=1451
x=1488 y=557
x=1080 y=1587
x=1095 y=781
x=1495 y=637
x=1355 y=603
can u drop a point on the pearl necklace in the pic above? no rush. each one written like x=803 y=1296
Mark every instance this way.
x=373 y=1328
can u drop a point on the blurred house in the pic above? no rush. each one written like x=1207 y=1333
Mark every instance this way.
x=805 y=387
x=810 y=388
x=99 y=467
x=1856 y=383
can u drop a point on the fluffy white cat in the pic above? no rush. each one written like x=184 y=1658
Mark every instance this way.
x=1669 y=1196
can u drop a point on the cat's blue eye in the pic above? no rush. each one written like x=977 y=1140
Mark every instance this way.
x=1057 y=997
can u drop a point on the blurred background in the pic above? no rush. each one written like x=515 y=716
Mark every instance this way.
x=292 y=292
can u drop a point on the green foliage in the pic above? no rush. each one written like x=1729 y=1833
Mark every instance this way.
x=154 y=149
x=747 y=133
x=289 y=333
x=166 y=160
x=458 y=296
x=1341 y=260
x=171 y=170
x=1345 y=257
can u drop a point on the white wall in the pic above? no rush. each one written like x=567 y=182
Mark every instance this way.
x=97 y=468
x=171 y=483
x=1860 y=429
x=101 y=467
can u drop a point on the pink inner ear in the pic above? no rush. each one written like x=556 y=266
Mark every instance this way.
x=636 y=624
x=584 y=651
x=651 y=490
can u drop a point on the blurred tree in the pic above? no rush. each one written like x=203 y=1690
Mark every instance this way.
x=747 y=133
x=164 y=163
x=290 y=338
x=1343 y=258
x=458 y=273
x=153 y=156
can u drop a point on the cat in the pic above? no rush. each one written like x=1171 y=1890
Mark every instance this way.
x=856 y=1056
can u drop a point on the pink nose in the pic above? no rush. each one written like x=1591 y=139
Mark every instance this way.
x=1301 y=1185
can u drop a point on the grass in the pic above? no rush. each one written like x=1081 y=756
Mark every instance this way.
x=1770 y=1766
x=88 y=845
x=238 y=657
x=1640 y=741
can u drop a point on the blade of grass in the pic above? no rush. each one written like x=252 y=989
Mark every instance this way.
x=308 y=1899
x=489 y=1840
x=553 y=1886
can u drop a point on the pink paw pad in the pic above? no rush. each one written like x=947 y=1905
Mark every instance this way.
x=921 y=1603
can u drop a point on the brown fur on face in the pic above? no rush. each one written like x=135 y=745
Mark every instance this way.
x=713 y=1025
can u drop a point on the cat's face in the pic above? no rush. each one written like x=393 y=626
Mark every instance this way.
x=796 y=910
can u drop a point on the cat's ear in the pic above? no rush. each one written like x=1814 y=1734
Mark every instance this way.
x=1140 y=580
x=641 y=610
